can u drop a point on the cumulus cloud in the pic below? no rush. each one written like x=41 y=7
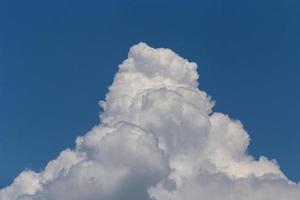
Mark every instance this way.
x=158 y=139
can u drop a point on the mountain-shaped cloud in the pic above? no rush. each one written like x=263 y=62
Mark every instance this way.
x=158 y=139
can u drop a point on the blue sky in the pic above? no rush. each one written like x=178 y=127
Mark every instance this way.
x=57 y=59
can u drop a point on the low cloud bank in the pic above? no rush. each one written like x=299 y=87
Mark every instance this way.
x=158 y=139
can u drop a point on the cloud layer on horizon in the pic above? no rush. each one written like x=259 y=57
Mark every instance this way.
x=158 y=139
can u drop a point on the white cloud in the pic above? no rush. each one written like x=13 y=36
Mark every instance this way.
x=159 y=139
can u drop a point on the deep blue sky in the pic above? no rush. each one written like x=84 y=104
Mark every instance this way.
x=58 y=57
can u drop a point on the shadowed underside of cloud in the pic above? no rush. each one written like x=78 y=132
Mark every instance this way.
x=158 y=139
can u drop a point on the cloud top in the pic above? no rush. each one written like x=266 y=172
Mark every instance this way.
x=158 y=139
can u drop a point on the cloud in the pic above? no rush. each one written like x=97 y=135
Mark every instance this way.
x=158 y=139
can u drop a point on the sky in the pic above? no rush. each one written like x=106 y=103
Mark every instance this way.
x=58 y=58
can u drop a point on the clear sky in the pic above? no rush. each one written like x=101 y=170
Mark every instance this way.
x=58 y=57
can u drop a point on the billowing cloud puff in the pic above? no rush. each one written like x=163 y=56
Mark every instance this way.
x=158 y=139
